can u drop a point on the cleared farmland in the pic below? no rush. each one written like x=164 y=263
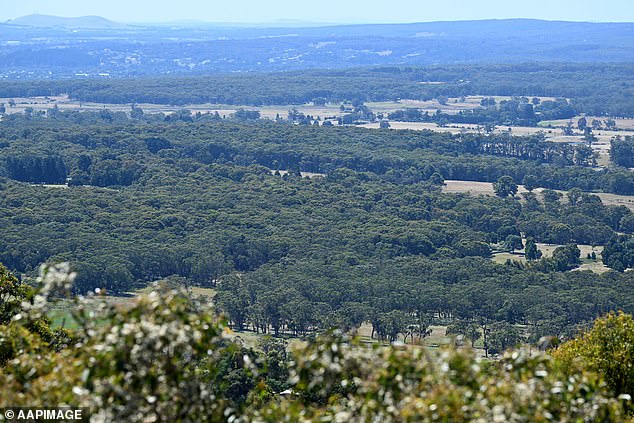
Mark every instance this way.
x=486 y=188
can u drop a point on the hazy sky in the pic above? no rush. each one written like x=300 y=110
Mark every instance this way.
x=325 y=10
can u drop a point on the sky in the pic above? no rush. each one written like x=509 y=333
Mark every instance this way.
x=324 y=11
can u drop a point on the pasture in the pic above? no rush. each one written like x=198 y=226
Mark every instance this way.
x=63 y=102
x=547 y=250
x=61 y=311
x=486 y=188
x=621 y=123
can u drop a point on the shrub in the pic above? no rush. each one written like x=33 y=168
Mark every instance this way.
x=608 y=349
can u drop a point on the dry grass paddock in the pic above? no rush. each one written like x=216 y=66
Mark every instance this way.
x=486 y=188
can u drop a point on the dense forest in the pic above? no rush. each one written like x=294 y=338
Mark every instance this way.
x=373 y=239
x=398 y=156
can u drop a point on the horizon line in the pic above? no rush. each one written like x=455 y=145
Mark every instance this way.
x=298 y=22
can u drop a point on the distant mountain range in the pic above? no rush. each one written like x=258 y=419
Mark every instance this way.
x=391 y=29
x=49 y=21
x=279 y=23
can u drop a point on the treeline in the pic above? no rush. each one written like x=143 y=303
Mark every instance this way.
x=412 y=293
x=594 y=89
x=517 y=111
x=399 y=156
x=48 y=169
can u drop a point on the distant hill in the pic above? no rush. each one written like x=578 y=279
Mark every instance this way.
x=49 y=21
x=197 y=48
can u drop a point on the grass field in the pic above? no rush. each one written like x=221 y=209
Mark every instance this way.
x=595 y=266
x=304 y=174
x=621 y=123
x=420 y=126
x=61 y=311
x=434 y=342
x=486 y=188
x=471 y=187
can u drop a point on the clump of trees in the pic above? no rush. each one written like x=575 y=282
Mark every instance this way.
x=622 y=151
x=619 y=253
x=505 y=186
x=518 y=111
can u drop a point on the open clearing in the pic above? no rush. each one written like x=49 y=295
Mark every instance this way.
x=309 y=175
x=60 y=312
x=63 y=102
x=461 y=128
x=621 y=123
x=486 y=188
x=472 y=187
x=595 y=266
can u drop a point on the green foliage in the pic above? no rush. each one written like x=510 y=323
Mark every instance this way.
x=627 y=223
x=20 y=302
x=275 y=362
x=550 y=196
x=622 y=151
x=502 y=336
x=505 y=186
x=245 y=115
x=49 y=169
x=198 y=207
x=574 y=195
x=530 y=182
x=12 y=294
x=164 y=357
x=167 y=357
x=619 y=253
x=531 y=251
x=335 y=380
x=607 y=348
x=469 y=330
x=564 y=258
x=513 y=242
